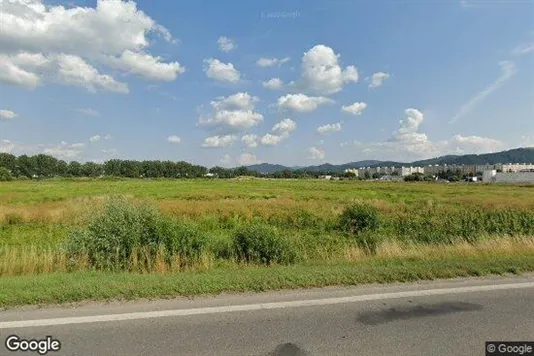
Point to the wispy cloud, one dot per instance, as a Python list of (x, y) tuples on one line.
[(508, 70)]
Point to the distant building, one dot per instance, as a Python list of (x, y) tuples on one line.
[(492, 176)]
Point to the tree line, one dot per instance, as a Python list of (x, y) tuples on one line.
[(45, 166)]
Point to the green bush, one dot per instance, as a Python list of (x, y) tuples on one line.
[(120, 230), (5, 175), (362, 222), (359, 218), (183, 238), (260, 243)]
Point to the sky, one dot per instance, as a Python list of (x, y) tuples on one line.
[(296, 83)]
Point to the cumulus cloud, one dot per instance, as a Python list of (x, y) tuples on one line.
[(408, 143), (235, 112), (271, 140), (250, 140), (247, 159), (226, 44), (285, 127), (301, 103), (42, 43), (219, 141), (271, 62), (354, 109), (316, 153), (474, 144), (223, 72), (147, 66), (329, 128), (377, 79), (238, 101), (322, 73), (31, 70), (65, 150), (174, 139), (95, 138), (7, 115), (273, 83), (226, 160)]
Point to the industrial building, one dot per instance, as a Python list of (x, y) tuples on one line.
[(492, 176)]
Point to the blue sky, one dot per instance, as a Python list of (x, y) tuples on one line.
[(188, 80)]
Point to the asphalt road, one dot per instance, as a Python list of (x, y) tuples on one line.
[(432, 318)]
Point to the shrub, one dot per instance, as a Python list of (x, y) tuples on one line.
[(122, 232), (115, 233), (5, 175), (260, 243), (182, 238), (359, 218), (362, 222)]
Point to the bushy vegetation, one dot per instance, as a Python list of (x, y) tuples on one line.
[(5, 175), (176, 225), (263, 244), (122, 234), (362, 222)]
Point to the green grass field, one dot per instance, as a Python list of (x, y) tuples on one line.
[(202, 230)]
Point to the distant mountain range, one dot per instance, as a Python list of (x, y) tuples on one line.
[(518, 155)]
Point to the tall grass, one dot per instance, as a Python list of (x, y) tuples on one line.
[(170, 226)]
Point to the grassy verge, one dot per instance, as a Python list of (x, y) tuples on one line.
[(81, 286)]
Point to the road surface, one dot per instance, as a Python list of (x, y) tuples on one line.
[(453, 317)]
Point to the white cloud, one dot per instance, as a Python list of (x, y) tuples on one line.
[(107, 137), (354, 109), (271, 62), (88, 112), (235, 119), (285, 127), (474, 144), (508, 70), (226, 160), (523, 49), (224, 72), (7, 115), (250, 140), (226, 44), (271, 140), (65, 150), (238, 101), (322, 73), (329, 128), (11, 73), (235, 112), (407, 143), (110, 151), (58, 42), (31, 70), (247, 159), (73, 70), (219, 141), (6, 146), (147, 66), (95, 138), (316, 153), (273, 83), (301, 103), (174, 139), (377, 79)]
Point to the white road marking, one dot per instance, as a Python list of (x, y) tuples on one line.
[(260, 306)]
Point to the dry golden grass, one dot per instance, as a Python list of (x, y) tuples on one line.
[(33, 260)]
